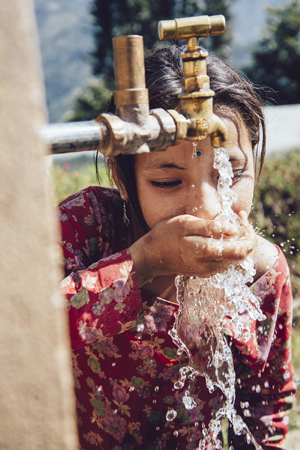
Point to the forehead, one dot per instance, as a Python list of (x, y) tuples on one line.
[(180, 155)]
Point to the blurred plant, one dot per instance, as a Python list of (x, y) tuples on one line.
[(275, 58), (122, 17), (68, 181), (277, 208), (90, 102)]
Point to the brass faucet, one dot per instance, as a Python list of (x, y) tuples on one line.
[(196, 99), (135, 129)]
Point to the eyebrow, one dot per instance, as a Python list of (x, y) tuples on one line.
[(162, 165)]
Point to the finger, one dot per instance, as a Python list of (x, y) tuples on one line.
[(208, 228), (216, 250), (243, 216)]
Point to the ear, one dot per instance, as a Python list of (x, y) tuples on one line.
[(123, 192)]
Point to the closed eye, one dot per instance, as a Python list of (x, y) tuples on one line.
[(238, 174), (166, 184)]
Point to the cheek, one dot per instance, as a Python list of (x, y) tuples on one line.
[(157, 206), (152, 207)]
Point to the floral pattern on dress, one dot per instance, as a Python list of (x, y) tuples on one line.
[(125, 362)]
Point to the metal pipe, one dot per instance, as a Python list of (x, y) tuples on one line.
[(75, 136)]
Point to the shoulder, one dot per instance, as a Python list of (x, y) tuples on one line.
[(90, 195), (92, 221), (93, 201)]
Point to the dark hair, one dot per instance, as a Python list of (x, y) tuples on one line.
[(164, 71)]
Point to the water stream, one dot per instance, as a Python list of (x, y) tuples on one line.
[(205, 305)]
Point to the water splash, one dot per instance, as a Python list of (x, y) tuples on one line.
[(195, 151), (205, 306)]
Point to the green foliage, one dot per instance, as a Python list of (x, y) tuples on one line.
[(123, 17), (91, 101), (277, 208), (276, 56)]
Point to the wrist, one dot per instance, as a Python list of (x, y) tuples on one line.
[(143, 261)]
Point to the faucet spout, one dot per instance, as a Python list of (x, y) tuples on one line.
[(196, 99)]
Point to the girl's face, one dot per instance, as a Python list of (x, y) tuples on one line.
[(172, 183)]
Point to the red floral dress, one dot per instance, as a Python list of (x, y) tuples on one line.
[(124, 361)]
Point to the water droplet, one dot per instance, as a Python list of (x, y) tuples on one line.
[(258, 389), (157, 428), (175, 433), (178, 384), (154, 401), (171, 415), (267, 384), (156, 389), (188, 401), (140, 327)]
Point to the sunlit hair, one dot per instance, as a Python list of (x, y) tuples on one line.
[(164, 71)]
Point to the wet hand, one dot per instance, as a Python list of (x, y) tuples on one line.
[(189, 246)]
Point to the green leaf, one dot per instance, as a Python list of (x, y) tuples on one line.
[(94, 364), (98, 406), (80, 299)]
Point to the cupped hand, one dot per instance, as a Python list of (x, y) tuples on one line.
[(187, 245)]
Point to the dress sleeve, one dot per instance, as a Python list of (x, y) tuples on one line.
[(265, 384), (101, 288)]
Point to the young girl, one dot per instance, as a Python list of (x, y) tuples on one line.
[(122, 251)]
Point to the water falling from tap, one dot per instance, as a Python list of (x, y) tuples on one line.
[(204, 306)]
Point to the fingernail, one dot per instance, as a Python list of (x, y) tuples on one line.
[(243, 215)]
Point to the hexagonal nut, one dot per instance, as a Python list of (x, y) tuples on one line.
[(118, 134), (181, 124), (168, 127)]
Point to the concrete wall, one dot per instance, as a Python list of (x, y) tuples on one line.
[(36, 391)]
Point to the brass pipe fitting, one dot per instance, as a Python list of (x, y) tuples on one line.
[(196, 99), (188, 27), (131, 95), (134, 129)]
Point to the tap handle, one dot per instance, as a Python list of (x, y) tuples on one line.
[(187, 27)]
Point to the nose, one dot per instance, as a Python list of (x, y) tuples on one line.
[(204, 201)]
